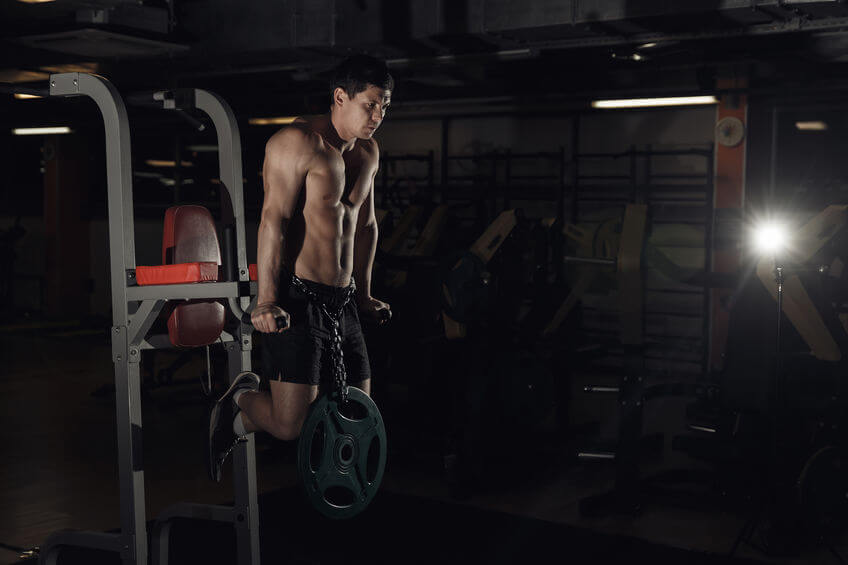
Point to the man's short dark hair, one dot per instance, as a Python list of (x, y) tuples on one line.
[(354, 74)]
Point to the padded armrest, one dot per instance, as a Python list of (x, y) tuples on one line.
[(181, 273)]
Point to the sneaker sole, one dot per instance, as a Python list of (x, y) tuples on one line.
[(236, 381)]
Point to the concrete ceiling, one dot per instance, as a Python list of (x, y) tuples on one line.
[(263, 54)]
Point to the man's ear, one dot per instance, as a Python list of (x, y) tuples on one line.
[(340, 96)]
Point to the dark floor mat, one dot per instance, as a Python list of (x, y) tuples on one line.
[(405, 529)]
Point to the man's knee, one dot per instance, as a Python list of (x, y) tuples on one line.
[(286, 429)]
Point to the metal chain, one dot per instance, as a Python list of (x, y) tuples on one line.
[(339, 372)]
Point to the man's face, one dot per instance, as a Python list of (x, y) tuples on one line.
[(364, 113)]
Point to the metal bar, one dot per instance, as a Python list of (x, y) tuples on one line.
[(50, 549), (596, 388), (140, 322), (229, 161), (246, 505), (586, 177), (162, 529), (669, 152), (130, 460), (431, 163), (163, 341), (605, 455), (122, 259), (508, 176), (187, 291), (709, 245), (540, 155), (575, 173), (118, 175), (534, 177), (591, 261), (444, 156), (409, 157)]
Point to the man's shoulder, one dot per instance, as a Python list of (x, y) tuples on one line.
[(294, 138)]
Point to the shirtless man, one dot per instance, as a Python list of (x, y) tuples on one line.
[(317, 230)]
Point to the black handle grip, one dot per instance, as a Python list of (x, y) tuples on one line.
[(282, 323)]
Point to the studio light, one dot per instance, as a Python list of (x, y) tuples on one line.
[(811, 126), (41, 131), (272, 121), (655, 102), (166, 163), (770, 237)]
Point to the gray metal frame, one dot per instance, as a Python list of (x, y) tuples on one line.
[(134, 311)]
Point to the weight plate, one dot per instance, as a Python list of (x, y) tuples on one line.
[(341, 454)]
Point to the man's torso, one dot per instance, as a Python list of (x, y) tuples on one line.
[(320, 236)]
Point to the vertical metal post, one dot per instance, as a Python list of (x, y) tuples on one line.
[(230, 167), (178, 171), (575, 171), (246, 505), (644, 196), (445, 152), (630, 425), (508, 175), (122, 258), (709, 264), (431, 181), (634, 181)]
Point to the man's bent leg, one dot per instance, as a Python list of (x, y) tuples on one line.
[(364, 386), (281, 413)]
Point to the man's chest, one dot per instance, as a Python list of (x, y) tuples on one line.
[(337, 180)]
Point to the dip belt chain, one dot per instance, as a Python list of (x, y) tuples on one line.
[(334, 317)]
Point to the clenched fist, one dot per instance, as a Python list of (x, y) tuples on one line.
[(269, 318)]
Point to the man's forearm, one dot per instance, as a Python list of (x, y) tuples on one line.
[(364, 248), (269, 260)]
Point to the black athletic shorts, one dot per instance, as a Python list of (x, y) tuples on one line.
[(302, 353)]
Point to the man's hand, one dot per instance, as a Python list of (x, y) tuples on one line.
[(269, 318), (377, 310)]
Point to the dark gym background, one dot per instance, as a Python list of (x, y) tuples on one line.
[(491, 112)]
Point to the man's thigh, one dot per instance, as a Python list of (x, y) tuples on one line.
[(364, 386), (290, 401)]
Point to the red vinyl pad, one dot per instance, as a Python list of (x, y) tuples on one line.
[(196, 323), (190, 237), (177, 274), (253, 271)]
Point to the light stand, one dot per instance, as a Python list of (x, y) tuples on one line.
[(776, 392)]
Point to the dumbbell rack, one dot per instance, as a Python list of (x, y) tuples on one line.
[(675, 198), (135, 308), (676, 314)]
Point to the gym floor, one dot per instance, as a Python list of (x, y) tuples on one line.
[(57, 443)]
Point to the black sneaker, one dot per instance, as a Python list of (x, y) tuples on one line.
[(222, 439)]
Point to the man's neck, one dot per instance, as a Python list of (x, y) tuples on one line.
[(336, 138)]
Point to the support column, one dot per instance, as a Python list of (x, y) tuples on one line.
[(728, 202)]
